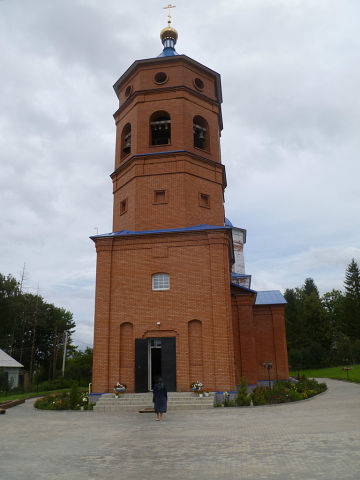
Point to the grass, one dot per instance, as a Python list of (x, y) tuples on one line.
[(331, 372), (16, 396)]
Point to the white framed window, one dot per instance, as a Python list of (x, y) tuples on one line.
[(161, 281)]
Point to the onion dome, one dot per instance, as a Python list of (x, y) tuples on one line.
[(168, 37), (168, 33)]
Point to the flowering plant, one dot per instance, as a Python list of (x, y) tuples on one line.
[(197, 387), (120, 388)]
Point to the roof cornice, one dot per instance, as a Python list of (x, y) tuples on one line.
[(158, 60), (167, 153)]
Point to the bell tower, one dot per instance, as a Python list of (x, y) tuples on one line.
[(168, 171), (163, 304)]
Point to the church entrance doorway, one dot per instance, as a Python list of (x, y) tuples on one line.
[(155, 357)]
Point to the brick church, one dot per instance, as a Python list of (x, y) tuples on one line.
[(172, 296)]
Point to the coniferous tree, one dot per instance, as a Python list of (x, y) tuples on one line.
[(310, 287), (352, 300)]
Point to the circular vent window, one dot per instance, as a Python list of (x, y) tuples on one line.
[(128, 90), (199, 84), (160, 77)]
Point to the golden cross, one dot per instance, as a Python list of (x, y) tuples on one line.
[(169, 14)]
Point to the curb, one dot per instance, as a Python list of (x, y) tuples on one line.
[(11, 403)]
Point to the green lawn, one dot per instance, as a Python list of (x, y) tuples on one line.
[(16, 396), (331, 372)]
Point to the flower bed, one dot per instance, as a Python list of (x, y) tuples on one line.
[(70, 400), (281, 392)]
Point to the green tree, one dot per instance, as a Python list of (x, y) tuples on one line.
[(340, 344), (309, 287), (9, 310), (79, 366), (307, 327), (32, 330), (316, 321), (295, 332), (352, 300)]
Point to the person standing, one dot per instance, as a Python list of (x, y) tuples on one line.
[(159, 398)]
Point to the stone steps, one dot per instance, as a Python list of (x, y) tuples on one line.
[(143, 401)]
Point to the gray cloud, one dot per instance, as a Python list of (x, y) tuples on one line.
[(290, 76)]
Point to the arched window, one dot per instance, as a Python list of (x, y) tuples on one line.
[(161, 281), (160, 128), (201, 133), (126, 140)]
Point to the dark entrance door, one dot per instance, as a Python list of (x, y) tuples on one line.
[(141, 365), (158, 361)]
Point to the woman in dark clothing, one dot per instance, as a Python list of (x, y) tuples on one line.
[(159, 398)]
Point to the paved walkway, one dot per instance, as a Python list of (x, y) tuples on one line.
[(314, 439)]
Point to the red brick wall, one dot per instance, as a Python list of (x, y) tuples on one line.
[(244, 337), (195, 349), (198, 264), (259, 335), (183, 178), (271, 341)]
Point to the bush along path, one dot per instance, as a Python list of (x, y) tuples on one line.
[(69, 400), (281, 392)]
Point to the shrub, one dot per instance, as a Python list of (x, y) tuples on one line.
[(279, 392), (294, 396), (242, 399), (260, 395), (74, 398)]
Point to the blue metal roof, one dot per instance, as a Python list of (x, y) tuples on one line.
[(228, 223), (168, 230), (242, 288), (239, 275), (168, 52), (271, 297)]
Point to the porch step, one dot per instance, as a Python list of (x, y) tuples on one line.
[(143, 401)]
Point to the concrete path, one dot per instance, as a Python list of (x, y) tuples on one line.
[(314, 439)]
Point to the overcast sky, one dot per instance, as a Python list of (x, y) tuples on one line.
[(290, 75)]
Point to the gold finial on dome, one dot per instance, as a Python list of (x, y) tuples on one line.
[(169, 32)]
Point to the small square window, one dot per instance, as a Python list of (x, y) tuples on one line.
[(161, 281), (160, 196), (204, 200), (123, 206)]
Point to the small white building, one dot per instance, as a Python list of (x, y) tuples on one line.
[(10, 366)]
